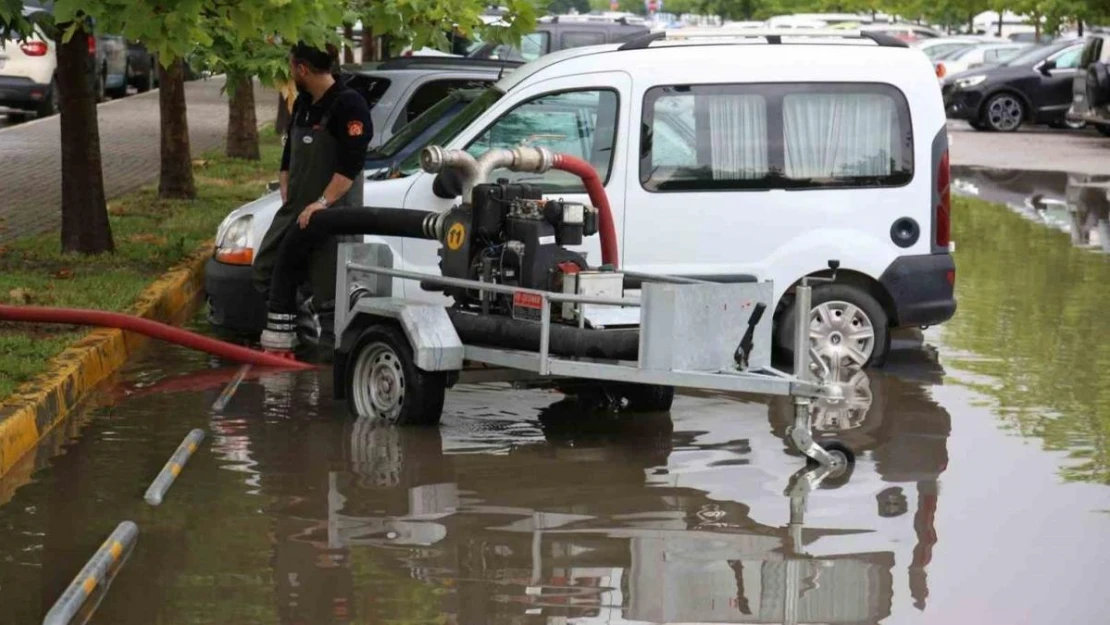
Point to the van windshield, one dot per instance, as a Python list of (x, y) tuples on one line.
[(480, 105), (410, 131)]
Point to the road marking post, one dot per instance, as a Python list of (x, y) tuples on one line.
[(173, 467), (98, 572)]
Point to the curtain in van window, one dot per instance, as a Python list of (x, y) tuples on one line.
[(838, 135), (738, 140)]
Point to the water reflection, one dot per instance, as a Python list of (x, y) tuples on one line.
[(1027, 334), (1076, 204)]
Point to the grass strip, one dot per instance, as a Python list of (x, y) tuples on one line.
[(151, 236)]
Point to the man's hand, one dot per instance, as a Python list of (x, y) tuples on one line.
[(306, 214)]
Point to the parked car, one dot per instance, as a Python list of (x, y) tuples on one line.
[(27, 74), (1091, 85), (979, 55), (701, 184), (399, 90), (1034, 87), (903, 32), (558, 35), (940, 46)]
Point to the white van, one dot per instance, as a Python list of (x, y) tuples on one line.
[(729, 158)]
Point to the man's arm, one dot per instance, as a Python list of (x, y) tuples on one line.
[(283, 176)]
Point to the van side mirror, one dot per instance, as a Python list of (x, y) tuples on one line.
[(1047, 67), (447, 184)]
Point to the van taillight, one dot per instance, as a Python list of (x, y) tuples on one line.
[(34, 48), (941, 70), (943, 216), (92, 45)]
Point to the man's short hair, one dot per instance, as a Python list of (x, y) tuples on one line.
[(318, 60)]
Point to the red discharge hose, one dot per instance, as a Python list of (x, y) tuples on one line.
[(153, 329), (606, 229)]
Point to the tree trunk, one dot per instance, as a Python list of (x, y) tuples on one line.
[(368, 51), (85, 226), (242, 123), (176, 180), (1079, 26), (348, 49)]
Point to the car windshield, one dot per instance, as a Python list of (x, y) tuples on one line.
[(413, 129), (411, 165)]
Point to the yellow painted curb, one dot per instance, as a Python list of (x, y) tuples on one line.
[(29, 414)]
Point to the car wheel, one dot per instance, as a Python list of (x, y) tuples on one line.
[(49, 104), (121, 91), (1103, 129), (848, 326), (1067, 124), (102, 86), (143, 82), (980, 126), (1004, 112)]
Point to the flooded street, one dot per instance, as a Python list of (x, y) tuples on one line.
[(980, 493)]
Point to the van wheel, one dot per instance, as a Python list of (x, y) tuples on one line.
[(1103, 129), (847, 325), (1004, 112), (49, 104), (384, 384)]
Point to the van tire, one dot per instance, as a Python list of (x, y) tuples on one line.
[(978, 125), (838, 296), (1103, 129)]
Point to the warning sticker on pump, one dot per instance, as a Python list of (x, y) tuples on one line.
[(455, 237), (527, 306)]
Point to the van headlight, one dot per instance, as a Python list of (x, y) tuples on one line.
[(233, 247), (970, 81)]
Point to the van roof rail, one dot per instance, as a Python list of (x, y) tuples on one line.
[(434, 62), (773, 36)]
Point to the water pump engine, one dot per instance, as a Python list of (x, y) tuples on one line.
[(510, 235)]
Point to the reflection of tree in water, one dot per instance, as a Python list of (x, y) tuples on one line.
[(1029, 309)]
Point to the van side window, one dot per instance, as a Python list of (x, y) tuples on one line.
[(578, 123), (532, 46), (578, 39), (775, 136)]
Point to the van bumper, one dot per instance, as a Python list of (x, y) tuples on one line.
[(233, 302), (922, 288)]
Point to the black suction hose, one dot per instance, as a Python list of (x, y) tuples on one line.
[(506, 332), (292, 263)]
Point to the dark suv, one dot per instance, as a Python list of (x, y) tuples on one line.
[(1090, 89), (555, 35)]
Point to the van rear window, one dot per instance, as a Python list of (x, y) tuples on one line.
[(775, 136)]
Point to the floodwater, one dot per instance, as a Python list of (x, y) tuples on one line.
[(980, 493)]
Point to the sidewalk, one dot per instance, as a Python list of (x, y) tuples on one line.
[(30, 158)]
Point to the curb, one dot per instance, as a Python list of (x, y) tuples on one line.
[(34, 409)]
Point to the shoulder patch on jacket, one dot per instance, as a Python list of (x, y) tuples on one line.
[(354, 128)]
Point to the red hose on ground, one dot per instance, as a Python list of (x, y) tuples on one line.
[(606, 229), (153, 329)]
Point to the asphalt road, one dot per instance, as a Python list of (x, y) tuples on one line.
[(1031, 148)]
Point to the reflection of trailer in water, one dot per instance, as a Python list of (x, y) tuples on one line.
[(692, 560)]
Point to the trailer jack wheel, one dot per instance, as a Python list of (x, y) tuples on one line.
[(385, 385), (843, 460)]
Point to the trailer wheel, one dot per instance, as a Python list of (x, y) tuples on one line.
[(385, 384)]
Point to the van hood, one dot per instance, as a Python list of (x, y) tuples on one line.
[(385, 193)]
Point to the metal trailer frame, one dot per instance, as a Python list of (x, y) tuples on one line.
[(367, 277)]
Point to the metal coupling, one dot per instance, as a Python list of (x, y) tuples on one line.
[(532, 159)]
